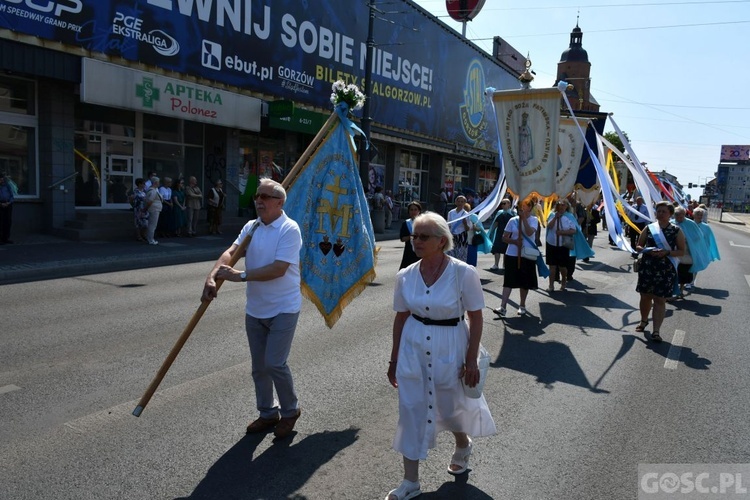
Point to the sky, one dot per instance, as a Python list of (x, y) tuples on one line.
[(675, 74)]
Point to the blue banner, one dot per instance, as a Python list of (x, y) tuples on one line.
[(426, 78), (327, 200)]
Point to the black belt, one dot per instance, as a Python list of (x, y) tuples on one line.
[(437, 322)]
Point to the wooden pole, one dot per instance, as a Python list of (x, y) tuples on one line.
[(241, 249)]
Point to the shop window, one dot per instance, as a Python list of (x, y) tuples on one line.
[(17, 96), (487, 179), (166, 129), (172, 160), (18, 134), (456, 177), (412, 177), (88, 154), (17, 157), (102, 120)]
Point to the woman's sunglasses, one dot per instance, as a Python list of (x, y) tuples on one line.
[(421, 237)]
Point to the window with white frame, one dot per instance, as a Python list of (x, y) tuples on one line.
[(412, 176)]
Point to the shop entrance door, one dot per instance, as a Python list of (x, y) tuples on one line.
[(117, 181)]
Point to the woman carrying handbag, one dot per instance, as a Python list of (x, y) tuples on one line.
[(520, 271)]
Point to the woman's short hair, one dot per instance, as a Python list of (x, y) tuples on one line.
[(439, 225), (680, 211), (416, 204), (699, 210), (665, 203)]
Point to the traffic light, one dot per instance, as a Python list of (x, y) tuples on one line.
[(690, 185)]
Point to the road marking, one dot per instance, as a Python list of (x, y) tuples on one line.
[(673, 356), (733, 244), (9, 388)]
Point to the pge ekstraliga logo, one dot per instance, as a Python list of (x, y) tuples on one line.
[(211, 55)]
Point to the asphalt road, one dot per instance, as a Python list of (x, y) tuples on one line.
[(579, 398)]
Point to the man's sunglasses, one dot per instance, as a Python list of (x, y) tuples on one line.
[(264, 196)]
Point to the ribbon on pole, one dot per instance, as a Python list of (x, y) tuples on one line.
[(613, 223)]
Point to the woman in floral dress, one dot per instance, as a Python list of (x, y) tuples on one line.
[(140, 214), (663, 242)]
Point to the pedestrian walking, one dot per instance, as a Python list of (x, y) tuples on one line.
[(273, 304), (661, 243), (520, 272), (434, 354)]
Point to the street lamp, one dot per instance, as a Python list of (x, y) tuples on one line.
[(364, 155)]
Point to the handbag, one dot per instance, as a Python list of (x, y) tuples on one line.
[(566, 240), (637, 264), (477, 239), (483, 356), (530, 253), (483, 362)]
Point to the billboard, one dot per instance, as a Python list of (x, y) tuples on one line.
[(735, 153), (426, 78)]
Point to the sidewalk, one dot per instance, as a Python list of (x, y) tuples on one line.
[(41, 257)]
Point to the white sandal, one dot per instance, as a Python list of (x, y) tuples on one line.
[(461, 458), (405, 491)]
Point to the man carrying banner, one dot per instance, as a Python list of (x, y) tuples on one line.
[(273, 304)]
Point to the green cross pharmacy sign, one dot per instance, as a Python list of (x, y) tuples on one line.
[(147, 93)]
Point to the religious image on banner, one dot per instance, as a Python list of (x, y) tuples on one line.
[(328, 201), (528, 121), (570, 148)]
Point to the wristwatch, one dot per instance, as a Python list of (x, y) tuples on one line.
[(243, 276)]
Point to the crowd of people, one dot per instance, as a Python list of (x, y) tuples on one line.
[(436, 355), (167, 208)]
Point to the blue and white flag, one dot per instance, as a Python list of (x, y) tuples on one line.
[(327, 200)]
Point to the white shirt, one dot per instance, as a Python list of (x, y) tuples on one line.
[(280, 240), (512, 228), (456, 227), (566, 224), (166, 193)]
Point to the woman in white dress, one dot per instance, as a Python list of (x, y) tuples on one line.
[(434, 353)]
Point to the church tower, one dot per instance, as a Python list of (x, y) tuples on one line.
[(574, 67)]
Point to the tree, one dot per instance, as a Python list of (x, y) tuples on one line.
[(615, 140)]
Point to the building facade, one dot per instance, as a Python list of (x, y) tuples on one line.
[(95, 94)]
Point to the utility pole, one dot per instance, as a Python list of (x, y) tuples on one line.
[(364, 155)]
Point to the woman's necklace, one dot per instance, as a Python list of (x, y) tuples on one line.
[(432, 279)]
